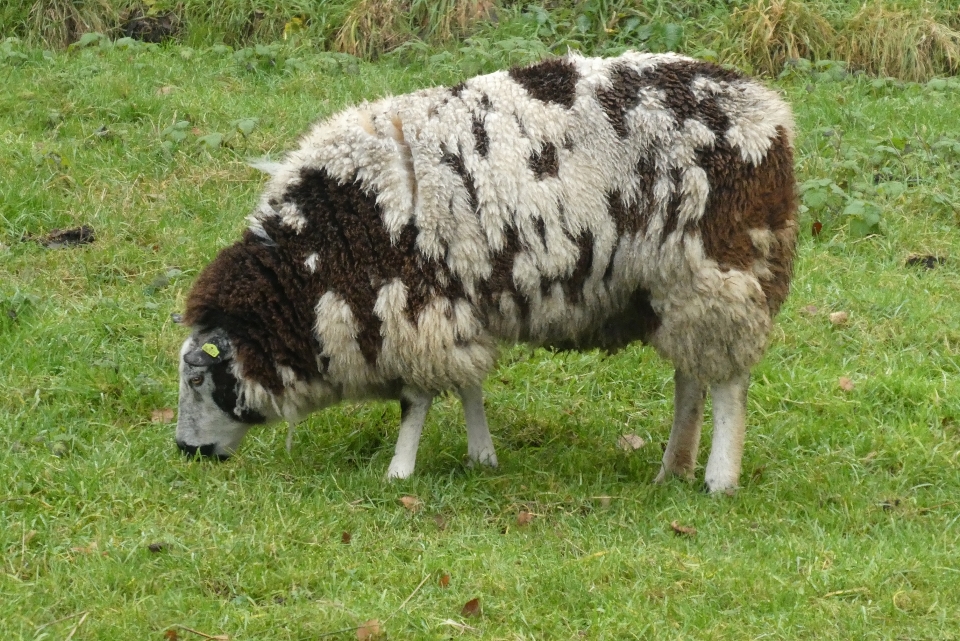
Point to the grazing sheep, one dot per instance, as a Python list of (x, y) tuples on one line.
[(577, 203)]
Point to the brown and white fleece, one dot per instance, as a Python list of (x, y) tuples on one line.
[(578, 202)]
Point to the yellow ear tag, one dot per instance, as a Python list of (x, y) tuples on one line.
[(211, 349)]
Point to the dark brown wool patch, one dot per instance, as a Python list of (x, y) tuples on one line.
[(743, 197), (629, 219), (501, 274), (622, 96), (674, 81), (673, 206), (544, 162), (264, 304), (481, 140), (264, 296), (456, 89), (455, 162), (573, 286), (553, 80), (635, 322), (541, 230)]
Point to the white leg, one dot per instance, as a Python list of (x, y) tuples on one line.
[(729, 429), (414, 405), (680, 457), (291, 428), (479, 442)]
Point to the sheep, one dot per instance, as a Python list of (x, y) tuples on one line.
[(576, 203)]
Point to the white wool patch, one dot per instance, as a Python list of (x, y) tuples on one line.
[(311, 262), (755, 113), (447, 342), (337, 331), (291, 217)]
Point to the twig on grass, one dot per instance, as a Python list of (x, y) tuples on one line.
[(402, 605), (844, 592), (60, 620), (215, 637), (79, 623), (407, 600)]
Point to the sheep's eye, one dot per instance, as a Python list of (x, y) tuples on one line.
[(196, 381)]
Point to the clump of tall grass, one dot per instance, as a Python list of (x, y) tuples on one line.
[(879, 37), (374, 26), (60, 22), (910, 45), (765, 34)]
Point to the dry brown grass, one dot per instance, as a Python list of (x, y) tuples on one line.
[(375, 26), (60, 22), (909, 45), (881, 38), (441, 20), (770, 32)]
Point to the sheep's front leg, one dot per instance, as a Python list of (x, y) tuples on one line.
[(729, 430), (680, 457), (414, 405), (479, 442)]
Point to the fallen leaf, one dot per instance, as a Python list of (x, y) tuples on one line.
[(164, 415), (927, 261), (845, 384), (471, 608), (213, 637), (524, 518), (87, 549), (195, 131), (839, 318), (890, 504), (345, 538), (816, 228), (165, 91), (440, 521), (444, 580), (369, 630), (682, 530), (810, 310), (605, 501), (156, 547), (171, 635), (60, 238), (630, 442), (412, 503)]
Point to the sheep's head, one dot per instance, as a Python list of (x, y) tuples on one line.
[(212, 419)]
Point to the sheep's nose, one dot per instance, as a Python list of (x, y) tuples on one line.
[(206, 451)]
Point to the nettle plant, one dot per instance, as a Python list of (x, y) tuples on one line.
[(181, 132), (858, 180)]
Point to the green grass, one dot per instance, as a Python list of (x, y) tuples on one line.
[(847, 524), (908, 39)]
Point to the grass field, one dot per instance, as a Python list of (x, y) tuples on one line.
[(846, 526)]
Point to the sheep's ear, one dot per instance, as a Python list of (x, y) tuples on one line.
[(212, 350)]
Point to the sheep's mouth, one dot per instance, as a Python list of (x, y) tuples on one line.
[(207, 451)]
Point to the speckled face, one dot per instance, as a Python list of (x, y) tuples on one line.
[(211, 422)]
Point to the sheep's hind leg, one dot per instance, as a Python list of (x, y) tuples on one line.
[(729, 430), (479, 443), (680, 457), (414, 405)]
